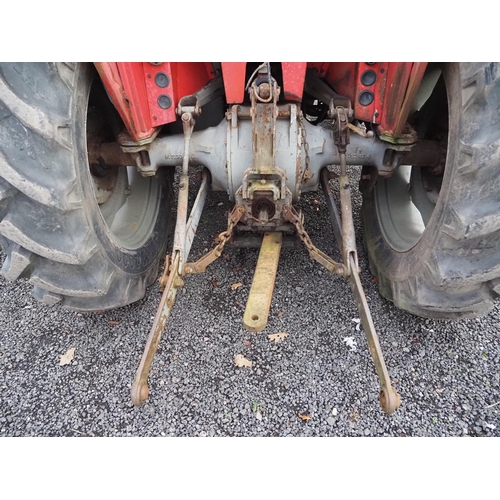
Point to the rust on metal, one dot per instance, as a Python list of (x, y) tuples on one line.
[(348, 235), (307, 175), (416, 75), (389, 398), (345, 235), (425, 154), (400, 74), (261, 291), (264, 90), (201, 264), (111, 154), (164, 278), (315, 253), (140, 390)]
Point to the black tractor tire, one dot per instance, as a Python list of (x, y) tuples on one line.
[(451, 269), (79, 252)]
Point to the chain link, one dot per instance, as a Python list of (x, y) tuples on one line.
[(315, 253), (201, 264)]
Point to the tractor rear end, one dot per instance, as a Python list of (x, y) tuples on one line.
[(422, 134)]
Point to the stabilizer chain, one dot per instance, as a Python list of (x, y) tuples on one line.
[(201, 264), (315, 253)]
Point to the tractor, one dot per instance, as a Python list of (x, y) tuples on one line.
[(96, 157)]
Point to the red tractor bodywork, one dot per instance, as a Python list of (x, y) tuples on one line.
[(147, 94)]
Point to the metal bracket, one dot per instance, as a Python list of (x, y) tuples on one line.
[(340, 117)]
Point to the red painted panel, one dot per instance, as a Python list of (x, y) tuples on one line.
[(233, 74), (134, 92), (132, 77), (294, 75), (126, 88), (371, 112), (152, 73), (342, 77), (321, 67), (188, 78), (398, 75), (388, 89)]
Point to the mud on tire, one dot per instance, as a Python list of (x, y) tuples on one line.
[(86, 240), (446, 265)]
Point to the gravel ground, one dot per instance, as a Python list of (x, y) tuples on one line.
[(446, 372)]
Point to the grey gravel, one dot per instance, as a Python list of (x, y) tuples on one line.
[(446, 372)]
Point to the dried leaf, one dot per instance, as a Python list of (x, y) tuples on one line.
[(100, 313), (239, 268), (214, 283), (439, 391), (278, 337), (234, 286), (304, 417), (247, 343), (354, 415), (241, 361), (374, 280), (68, 357), (239, 304), (280, 314), (176, 357), (111, 322), (227, 257)]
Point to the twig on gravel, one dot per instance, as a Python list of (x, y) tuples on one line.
[(491, 406)]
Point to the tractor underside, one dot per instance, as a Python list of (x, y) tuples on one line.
[(265, 133)]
